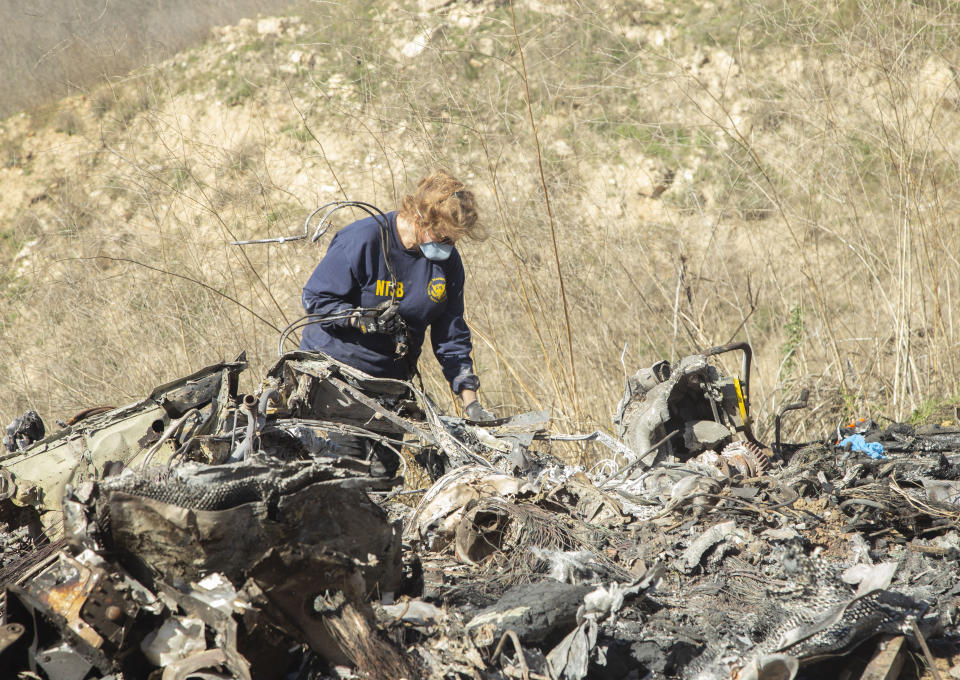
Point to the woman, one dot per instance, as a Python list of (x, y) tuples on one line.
[(412, 273)]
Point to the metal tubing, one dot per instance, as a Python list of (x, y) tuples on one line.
[(284, 239), (745, 379), (172, 429), (745, 366), (322, 225), (246, 446), (802, 403), (265, 398)]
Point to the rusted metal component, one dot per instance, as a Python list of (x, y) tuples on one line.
[(87, 412), (92, 604), (62, 590), (59, 611), (746, 457), (110, 610)]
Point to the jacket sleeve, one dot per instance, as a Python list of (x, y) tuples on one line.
[(333, 287), (451, 339)]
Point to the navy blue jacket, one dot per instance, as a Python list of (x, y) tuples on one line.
[(353, 273)]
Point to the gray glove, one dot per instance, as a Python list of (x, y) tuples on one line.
[(477, 413)]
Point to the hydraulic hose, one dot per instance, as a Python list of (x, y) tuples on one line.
[(248, 406)]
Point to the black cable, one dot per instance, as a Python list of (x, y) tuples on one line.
[(382, 222), (384, 228), (308, 319)]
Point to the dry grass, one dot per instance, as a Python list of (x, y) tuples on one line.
[(783, 173), (60, 47)]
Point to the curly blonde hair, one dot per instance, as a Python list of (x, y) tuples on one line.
[(445, 208)]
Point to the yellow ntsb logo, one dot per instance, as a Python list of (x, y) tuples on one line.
[(386, 288), (437, 289)]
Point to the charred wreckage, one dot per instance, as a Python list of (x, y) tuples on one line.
[(203, 533)]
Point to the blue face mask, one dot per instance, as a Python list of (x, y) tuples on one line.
[(436, 251)]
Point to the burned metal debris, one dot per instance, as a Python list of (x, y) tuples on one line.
[(207, 533)]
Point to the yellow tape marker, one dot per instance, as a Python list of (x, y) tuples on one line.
[(740, 402)]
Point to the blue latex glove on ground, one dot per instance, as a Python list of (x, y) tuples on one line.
[(858, 443)]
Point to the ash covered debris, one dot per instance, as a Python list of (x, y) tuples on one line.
[(211, 534)]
